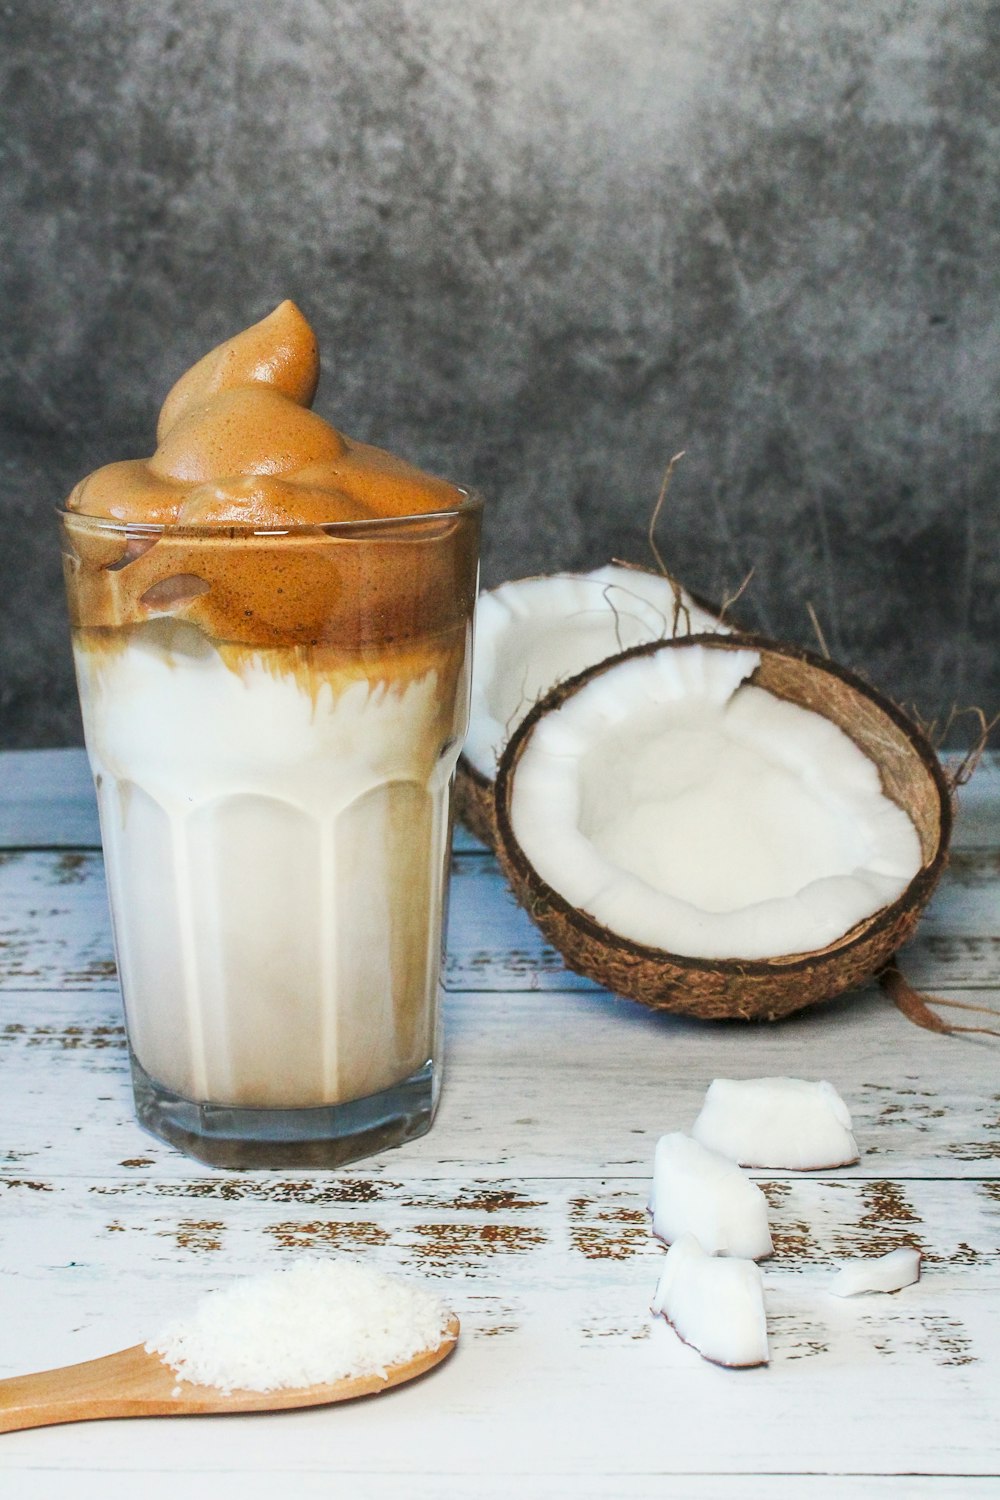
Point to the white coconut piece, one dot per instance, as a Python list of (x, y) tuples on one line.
[(879, 1273), (716, 1305), (697, 1191), (688, 811), (777, 1122), (533, 633)]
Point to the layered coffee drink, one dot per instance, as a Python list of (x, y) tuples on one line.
[(272, 630)]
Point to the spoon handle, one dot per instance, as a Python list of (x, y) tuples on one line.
[(125, 1384), (133, 1383)]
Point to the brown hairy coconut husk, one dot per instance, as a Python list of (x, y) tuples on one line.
[(474, 803), (759, 989), (474, 792)]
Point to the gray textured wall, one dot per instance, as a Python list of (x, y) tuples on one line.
[(545, 244)]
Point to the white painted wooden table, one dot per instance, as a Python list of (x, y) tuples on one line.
[(525, 1204)]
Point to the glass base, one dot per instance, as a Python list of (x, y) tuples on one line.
[(225, 1135)]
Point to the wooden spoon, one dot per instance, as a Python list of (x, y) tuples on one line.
[(133, 1383)]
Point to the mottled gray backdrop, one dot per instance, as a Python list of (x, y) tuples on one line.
[(545, 244)]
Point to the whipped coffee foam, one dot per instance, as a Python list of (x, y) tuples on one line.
[(239, 452)]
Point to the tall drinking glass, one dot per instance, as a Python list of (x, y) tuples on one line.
[(273, 720)]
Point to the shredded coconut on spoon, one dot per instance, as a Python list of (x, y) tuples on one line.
[(312, 1324)]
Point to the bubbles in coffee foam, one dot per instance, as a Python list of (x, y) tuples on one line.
[(240, 450)]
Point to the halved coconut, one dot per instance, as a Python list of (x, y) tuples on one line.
[(722, 825), (534, 633)]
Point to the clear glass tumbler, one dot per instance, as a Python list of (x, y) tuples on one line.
[(273, 720)]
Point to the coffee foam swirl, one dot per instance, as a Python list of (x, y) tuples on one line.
[(241, 452)]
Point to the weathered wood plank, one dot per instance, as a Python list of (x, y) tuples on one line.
[(91, 1484), (504, 1237), (544, 1084), (47, 798), (55, 931), (978, 823), (552, 1281), (549, 1338)]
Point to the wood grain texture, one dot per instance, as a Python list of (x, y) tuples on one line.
[(525, 1206)]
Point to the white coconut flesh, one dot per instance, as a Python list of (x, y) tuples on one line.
[(715, 1305), (697, 1191), (879, 1273), (534, 633), (686, 810), (790, 1123)]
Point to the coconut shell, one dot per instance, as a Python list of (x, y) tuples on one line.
[(474, 802), (752, 989)]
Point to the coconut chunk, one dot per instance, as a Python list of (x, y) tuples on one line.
[(684, 809), (533, 633), (697, 1191), (879, 1273), (715, 1305), (777, 1122)]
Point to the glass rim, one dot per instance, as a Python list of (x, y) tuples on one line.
[(471, 501)]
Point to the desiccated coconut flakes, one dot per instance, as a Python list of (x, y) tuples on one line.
[(314, 1323)]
